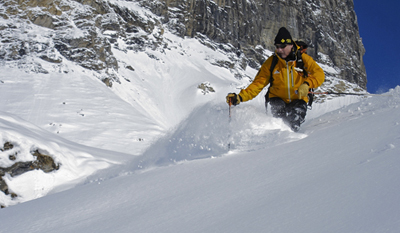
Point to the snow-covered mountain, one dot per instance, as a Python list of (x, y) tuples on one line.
[(144, 147), (62, 80)]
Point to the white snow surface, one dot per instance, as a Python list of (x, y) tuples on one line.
[(150, 154)]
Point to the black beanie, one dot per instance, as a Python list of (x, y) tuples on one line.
[(283, 37)]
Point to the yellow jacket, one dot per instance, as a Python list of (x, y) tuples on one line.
[(286, 80)]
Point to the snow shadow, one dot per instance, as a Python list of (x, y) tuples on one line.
[(210, 132)]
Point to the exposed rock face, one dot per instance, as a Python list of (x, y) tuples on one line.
[(81, 31), (328, 26), (85, 31)]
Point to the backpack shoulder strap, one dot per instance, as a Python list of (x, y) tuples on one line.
[(271, 79), (300, 62), (271, 69)]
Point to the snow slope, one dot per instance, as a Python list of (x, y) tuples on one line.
[(339, 174)]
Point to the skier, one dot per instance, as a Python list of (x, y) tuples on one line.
[(289, 86)]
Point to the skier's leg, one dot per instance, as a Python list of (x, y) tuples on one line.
[(296, 114), (278, 107)]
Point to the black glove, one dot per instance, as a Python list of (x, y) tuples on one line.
[(233, 99)]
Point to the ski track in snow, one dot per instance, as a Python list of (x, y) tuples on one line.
[(207, 132)]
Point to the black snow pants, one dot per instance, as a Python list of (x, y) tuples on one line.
[(293, 114)]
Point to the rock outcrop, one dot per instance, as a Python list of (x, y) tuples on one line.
[(42, 161)]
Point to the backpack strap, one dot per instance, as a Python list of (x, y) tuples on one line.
[(271, 79), (271, 69), (300, 62)]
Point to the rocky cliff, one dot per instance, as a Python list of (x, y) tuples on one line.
[(85, 31), (328, 26)]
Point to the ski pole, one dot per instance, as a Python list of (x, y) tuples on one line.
[(229, 136), (337, 93), (230, 105)]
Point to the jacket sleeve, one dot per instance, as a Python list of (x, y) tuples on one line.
[(316, 74), (260, 81)]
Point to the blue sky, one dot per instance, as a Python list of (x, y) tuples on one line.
[(380, 32)]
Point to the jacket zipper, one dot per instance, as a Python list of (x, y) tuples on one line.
[(292, 77), (288, 80)]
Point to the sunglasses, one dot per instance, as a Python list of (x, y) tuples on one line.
[(281, 46)]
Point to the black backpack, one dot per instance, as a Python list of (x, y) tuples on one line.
[(299, 64)]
